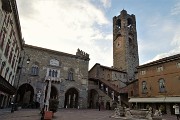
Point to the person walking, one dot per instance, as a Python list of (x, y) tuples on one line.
[(99, 105), (176, 107)]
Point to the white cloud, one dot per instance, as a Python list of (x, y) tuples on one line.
[(176, 9), (163, 55), (106, 3), (160, 38), (176, 39), (65, 25), (174, 43)]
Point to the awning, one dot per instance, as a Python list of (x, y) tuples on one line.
[(147, 100), (6, 87), (172, 99)]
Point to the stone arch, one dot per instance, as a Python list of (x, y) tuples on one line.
[(108, 105), (102, 104), (71, 98), (114, 105), (54, 92), (25, 95), (93, 98)]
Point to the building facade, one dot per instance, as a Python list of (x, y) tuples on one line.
[(159, 84), (108, 83), (68, 75), (10, 48), (113, 81)]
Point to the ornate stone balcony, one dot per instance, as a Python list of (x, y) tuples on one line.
[(53, 79)]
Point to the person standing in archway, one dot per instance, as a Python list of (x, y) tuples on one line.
[(99, 105), (176, 107)]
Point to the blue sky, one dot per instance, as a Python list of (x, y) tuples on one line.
[(66, 25)]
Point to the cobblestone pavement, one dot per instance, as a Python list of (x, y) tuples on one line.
[(65, 114)]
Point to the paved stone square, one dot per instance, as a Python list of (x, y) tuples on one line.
[(64, 114)]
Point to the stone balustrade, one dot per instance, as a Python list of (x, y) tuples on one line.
[(53, 79)]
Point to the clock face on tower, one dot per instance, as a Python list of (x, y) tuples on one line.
[(118, 44)]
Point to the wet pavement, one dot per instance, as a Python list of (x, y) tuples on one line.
[(64, 114)]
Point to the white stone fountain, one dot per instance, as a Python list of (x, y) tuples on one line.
[(136, 114)]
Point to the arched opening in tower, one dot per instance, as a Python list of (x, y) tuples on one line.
[(118, 23), (129, 22)]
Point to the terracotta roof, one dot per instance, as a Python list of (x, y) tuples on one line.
[(112, 68), (106, 67), (160, 61)]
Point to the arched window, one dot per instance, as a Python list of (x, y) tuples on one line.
[(34, 70), (53, 73), (56, 73), (50, 73), (70, 74), (162, 85), (144, 87)]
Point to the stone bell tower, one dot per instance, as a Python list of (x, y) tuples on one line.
[(125, 46)]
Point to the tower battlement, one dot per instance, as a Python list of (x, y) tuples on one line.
[(82, 54)]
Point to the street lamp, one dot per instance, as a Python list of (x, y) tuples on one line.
[(28, 60), (112, 94)]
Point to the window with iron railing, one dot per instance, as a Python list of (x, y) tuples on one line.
[(160, 68), (178, 65), (144, 87), (162, 87)]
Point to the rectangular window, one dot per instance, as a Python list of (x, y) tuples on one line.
[(7, 49), (7, 21), (178, 65), (132, 93), (143, 72), (13, 62), (144, 87), (70, 76), (1, 34), (162, 85), (1, 16), (2, 38), (10, 57), (15, 66), (35, 70), (160, 68)]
